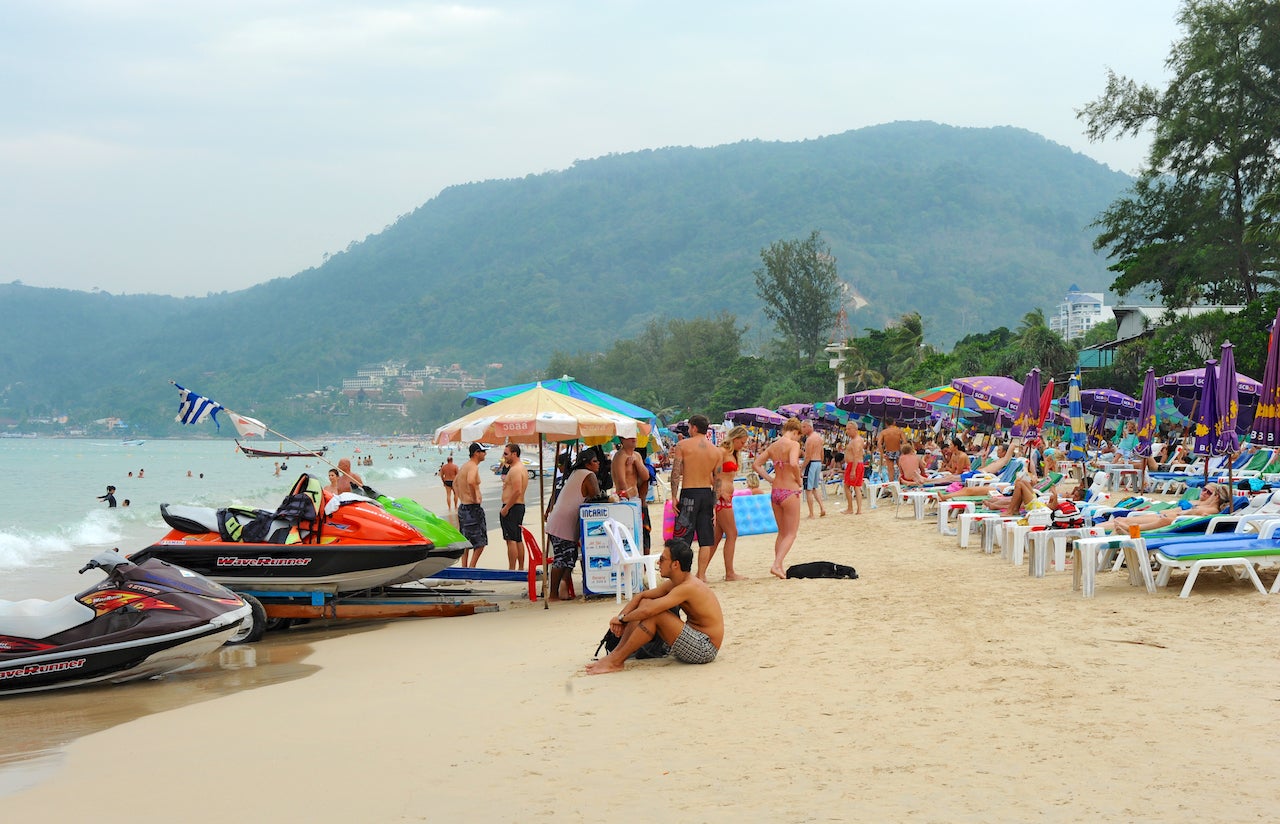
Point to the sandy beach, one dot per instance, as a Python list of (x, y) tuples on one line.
[(944, 685)]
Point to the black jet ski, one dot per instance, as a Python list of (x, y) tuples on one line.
[(144, 620)]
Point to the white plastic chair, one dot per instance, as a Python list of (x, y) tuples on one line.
[(626, 557)]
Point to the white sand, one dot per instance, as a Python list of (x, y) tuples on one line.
[(945, 685)]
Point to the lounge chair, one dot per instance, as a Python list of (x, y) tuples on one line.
[(1196, 556)]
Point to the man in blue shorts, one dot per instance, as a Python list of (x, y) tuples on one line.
[(811, 477)]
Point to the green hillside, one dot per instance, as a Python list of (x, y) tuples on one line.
[(969, 227)]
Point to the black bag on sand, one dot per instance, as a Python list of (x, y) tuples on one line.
[(821, 569), (656, 648)]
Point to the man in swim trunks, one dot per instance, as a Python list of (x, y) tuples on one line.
[(855, 452), (649, 615), (448, 472), (471, 519), (889, 445), (812, 476), (695, 465)]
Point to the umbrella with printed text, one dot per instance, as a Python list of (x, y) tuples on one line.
[(1228, 402), (1185, 389), (755, 416), (1026, 418), (1146, 422), (1109, 403), (1266, 420), (995, 390), (885, 403)]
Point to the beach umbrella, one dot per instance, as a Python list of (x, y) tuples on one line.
[(1026, 420), (755, 416), (1185, 389), (803, 411), (1146, 422), (885, 403), (957, 402), (1206, 414), (538, 416), (1228, 400), (1079, 438), (567, 385), (1266, 420), (1166, 410), (1046, 401), (997, 391), (1109, 403)]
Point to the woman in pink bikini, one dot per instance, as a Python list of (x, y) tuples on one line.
[(785, 496), (725, 525)]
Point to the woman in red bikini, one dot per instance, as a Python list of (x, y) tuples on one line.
[(725, 525), (785, 495)]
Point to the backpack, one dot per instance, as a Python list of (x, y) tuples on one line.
[(1067, 516)]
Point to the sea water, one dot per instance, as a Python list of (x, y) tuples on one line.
[(51, 521)]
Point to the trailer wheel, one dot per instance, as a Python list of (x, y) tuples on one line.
[(252, 628), (274, 624)]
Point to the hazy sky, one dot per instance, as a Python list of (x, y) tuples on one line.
[(191, 147)]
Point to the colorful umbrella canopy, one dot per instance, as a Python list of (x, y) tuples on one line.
[(1206, 415), (539, 415), (1266, 420), (886, 403), (1167, 410), (953, 399), (1026, 420), (1079, 438), (1002, 392), (1109, 403), (1185, 389), (566, 385), (755, 416), (796, 410), (1147, 415)]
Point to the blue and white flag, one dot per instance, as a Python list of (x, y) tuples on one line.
[(194, 408)]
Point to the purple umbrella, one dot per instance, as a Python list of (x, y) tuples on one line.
[(1147, 415), (1206, 415), (755, 416), (796, 410), (1002, 392), (1266, 422), (1185, 388), (887, 403), (1026, 421), (1109, 403), (1228, 404)]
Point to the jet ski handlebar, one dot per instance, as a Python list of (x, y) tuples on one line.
[(107, 560)]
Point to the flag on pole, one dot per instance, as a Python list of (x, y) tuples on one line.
[(248, 427), (193, 408)]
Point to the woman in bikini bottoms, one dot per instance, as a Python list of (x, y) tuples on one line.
[(725, 525), (785, 496)]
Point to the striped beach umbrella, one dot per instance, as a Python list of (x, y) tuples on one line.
[(1266, 422), (1079, 438)]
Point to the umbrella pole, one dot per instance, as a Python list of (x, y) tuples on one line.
[(542, 497)]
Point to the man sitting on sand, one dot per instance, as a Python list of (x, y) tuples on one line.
[(649, 614)]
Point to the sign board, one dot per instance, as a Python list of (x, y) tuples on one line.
[(598, 573)]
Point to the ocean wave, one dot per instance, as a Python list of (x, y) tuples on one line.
[(390, 473), (100, 528)]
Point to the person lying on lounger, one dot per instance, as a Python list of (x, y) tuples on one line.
[(1214, 499)]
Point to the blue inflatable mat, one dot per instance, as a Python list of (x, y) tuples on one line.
[(753, 515)]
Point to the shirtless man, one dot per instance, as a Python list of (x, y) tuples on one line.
[(346, 477), (812, 470), (889, 446), (855, 451), (648, 615), (511, 516), (695, 464), (448, 472), (471, 520), (631, 481)]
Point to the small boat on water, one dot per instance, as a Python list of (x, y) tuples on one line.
[(132, 442), (254, 452), (315, 542)]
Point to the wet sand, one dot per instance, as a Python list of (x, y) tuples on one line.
[(944, 685)]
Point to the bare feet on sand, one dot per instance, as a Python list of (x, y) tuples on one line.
[(735, 577), (778, 573), (604, 665)]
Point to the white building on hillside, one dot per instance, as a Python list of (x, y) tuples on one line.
[(1079, 312)]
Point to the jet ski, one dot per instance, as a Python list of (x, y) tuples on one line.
[(314, 542), (144, 620), (439, 531)]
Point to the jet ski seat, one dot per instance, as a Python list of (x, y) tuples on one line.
[(193, 520), (35, 618)]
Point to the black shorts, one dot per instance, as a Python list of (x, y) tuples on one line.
[(697, 516), (511, 523), (472, 525)]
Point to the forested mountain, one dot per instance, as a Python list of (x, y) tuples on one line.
[(969, 227)]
